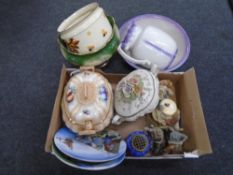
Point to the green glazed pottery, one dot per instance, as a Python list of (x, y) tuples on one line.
[(99, 58)]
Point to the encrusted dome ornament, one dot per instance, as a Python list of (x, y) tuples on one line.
[(136, 95), (87, 103)]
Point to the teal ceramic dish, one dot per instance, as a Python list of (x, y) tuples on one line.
[(99, 58), (86, 165)]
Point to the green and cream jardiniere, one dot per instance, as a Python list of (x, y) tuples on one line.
[(98, 58)]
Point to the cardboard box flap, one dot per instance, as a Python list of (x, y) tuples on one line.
[(192, 118), (200, 132), (55, 121)]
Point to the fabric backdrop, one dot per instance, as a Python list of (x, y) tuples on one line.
[(30, 64)]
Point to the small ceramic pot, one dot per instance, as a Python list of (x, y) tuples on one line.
[(99, 58), (139, 143), (87, 103), (136, 95), (86, 31)]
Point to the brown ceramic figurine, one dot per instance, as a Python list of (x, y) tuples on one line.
[(176, 140), (158, 138), (166, 90)]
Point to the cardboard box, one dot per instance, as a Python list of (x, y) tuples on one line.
[(188, 101)]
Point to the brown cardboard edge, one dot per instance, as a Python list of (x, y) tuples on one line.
[(193, 95), (55, 118), (202, 138)]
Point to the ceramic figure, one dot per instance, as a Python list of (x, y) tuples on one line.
[(166, 90), (167, 114), (158, 138), (176, 140)]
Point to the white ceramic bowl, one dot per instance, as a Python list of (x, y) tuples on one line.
[(86, 31), (153, 39)]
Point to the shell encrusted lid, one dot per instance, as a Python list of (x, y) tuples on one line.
[(87, 102), (135, 92)]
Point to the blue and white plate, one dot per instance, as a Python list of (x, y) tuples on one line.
[(66, 141), (86, 165)]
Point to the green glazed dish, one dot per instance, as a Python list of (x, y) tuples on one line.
[(96, 59)]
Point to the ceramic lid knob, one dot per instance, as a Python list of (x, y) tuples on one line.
[(168, 107), (89, 125)]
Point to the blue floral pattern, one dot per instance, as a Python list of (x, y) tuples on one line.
[(103, 94)]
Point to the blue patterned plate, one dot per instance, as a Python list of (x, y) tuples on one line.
[(66, 141), (86, 165)]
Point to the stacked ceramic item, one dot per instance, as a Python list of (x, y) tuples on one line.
[(88, 37), (96, 152), (87, 109)]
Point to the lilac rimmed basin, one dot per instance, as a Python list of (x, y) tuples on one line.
[(167, 25)]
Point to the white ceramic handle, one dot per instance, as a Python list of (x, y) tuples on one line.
[(144, 63), (117, 120), (73, 71), (154, 69)]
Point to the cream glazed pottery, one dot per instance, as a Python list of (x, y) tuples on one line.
[(87, 104), (136, 95), (86, 31)]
